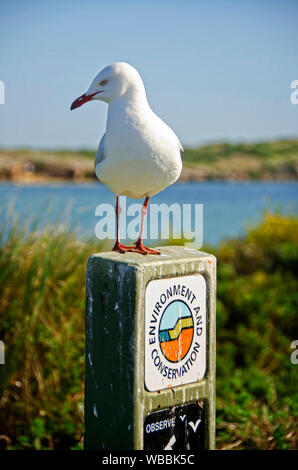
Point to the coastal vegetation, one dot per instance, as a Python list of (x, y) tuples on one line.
[(272, 161), (42, 319)]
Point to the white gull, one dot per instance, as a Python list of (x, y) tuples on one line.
[(139, 155)]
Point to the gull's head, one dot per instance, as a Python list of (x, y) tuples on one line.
[(112, 83)]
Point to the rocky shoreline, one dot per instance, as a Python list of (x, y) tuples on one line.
[(210, 163)]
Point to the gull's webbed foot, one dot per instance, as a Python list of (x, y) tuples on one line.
[(121, 248), (142, 249)]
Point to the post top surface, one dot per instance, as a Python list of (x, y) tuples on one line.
[(168, 254)]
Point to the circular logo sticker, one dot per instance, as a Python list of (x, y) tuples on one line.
[(175, 331)]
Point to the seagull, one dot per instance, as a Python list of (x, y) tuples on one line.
[(139, 155)]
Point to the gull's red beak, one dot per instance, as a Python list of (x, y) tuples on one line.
[(82, 99)]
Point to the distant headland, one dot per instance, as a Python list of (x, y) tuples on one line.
[(264, 161)]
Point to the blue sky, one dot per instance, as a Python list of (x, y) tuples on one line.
[(173, 311), (213, 70)]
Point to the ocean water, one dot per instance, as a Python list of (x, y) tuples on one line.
[(228, 207)]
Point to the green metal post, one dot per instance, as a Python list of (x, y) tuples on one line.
[(150, 350)]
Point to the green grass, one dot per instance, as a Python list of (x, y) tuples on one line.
[(42, 302), (263, 150)]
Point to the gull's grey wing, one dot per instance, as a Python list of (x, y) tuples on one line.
[(100, 155)]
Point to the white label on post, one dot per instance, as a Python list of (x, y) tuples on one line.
[(175, 331)]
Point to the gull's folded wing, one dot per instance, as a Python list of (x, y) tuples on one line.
[(100, 155)]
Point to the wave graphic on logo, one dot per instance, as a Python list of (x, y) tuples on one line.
[(176, 331)]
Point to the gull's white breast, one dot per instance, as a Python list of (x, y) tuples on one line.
[(139, 155)]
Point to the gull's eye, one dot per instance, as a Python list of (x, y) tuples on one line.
[(103, 82)]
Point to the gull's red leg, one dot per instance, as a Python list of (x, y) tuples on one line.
[(118, 246), (139, 246)]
